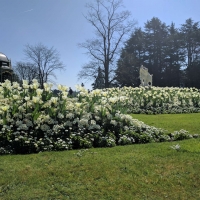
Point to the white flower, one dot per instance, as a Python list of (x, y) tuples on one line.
[(176, 147), (7, 84), (62, 88), (27, 98), (113, 122), (96, 92), (15, 97), (54, 100), (83, 122), (25, 84), (44, 127), (23, 127), (92, 122), (39, 92), (113, 100), (47, 86), (78, 105), (60, 116), (70, 115), (36, 99), (35, 84), (5, 108), (67, 123), (15, 85)]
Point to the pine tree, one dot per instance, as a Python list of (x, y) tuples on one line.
[(131, 58), (174, 58), (156, 34), (191, 37)]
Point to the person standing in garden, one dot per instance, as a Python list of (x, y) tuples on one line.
[(70, 91)]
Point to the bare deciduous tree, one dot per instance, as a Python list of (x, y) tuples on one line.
[(45, 59), (26, 71), (110, 28)]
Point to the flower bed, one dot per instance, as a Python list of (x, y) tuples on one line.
[(34, 119)]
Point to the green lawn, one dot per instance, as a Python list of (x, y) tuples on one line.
[(172, 122), (142, 171), (146, 171)]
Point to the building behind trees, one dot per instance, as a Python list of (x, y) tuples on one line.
[(6, 71)]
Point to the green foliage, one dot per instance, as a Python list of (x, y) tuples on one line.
[(170, 54), (33, 120)]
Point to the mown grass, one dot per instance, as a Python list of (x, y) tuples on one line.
[(147, 171), (144, 171), (172, 122)]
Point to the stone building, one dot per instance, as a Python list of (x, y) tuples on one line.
[(6, 71)]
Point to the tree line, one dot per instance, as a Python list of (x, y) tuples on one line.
[(171, 54)]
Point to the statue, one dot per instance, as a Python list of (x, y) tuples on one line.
[(145, 77)]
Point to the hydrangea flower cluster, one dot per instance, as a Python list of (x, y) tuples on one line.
[(34, 119)]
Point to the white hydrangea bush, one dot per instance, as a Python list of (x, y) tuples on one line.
[(34, 119)]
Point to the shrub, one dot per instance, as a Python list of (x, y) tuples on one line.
[(34, 119)]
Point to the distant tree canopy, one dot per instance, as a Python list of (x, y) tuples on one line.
[(171, 54), (42, 62), (132, 56), (26, 71)]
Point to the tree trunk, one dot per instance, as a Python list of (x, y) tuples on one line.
[(106, 75)]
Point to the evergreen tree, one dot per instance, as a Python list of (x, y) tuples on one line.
[(190, 32), (156, 34), (174, 58), (172, 55), (131, 58)]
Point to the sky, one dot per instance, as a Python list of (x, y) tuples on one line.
[(61, 24)]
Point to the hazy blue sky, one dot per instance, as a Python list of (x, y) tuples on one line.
[(60, 23)]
